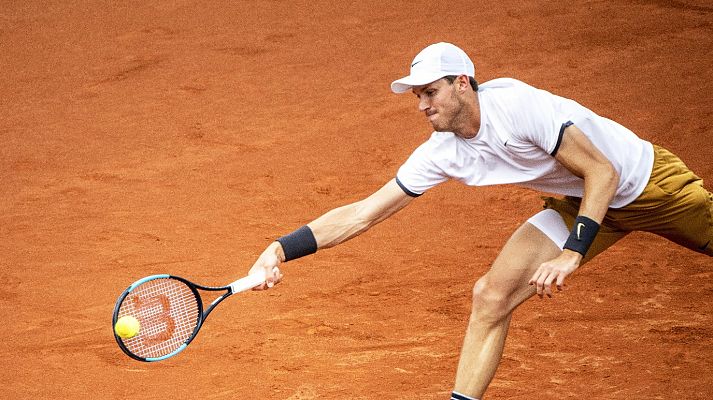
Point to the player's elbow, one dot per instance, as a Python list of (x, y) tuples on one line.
[(604, 177), (609, 174)]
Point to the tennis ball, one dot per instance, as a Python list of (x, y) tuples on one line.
[(127, 327)]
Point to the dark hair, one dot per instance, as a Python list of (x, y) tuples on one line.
[(471, 80)]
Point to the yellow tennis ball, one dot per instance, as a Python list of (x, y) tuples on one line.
[(127, 327)]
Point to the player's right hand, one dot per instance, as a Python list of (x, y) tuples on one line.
[(268, 263)]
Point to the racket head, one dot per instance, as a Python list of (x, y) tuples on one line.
[(170, 312)]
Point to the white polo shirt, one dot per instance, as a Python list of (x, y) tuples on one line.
[(521, 129)]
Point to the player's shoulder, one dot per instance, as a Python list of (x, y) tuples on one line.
[(510, 94), (504, 87), (439, 145)]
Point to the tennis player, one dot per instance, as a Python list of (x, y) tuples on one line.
[(504, 131)]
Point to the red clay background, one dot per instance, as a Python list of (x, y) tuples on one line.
[(182, 137)]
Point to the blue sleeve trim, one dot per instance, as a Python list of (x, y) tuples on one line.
[(559, 138), (405, 189)]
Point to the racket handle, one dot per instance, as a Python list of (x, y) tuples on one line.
[(247, 282)]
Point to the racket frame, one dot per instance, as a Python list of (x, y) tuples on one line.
[(239, 285)]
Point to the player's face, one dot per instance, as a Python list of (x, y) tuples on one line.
[(440, 102)]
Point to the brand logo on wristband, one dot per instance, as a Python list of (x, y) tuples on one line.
[(579, 230)]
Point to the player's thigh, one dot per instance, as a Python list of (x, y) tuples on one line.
[(507, 279), (674, 204), (536, 241), (688, 219)]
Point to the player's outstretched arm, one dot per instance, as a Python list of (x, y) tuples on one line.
[(582, 158), (346, 222), (337, 226)]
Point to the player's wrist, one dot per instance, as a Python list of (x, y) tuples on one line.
[(298, 244), (573, 255), (276, 249), (583, 233)]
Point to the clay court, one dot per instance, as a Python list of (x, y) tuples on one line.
[(182, 137)]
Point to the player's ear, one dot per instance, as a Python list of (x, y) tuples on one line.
[(463, 83)]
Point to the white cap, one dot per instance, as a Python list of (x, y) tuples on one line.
[(433, 63)]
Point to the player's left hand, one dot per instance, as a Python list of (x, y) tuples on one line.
[(554, 271)]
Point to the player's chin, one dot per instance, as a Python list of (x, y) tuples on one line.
[(439, 127)]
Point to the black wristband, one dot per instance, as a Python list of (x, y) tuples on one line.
[(298, 243), (583, 233)]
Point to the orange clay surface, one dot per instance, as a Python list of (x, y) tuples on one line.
[(182, 137)]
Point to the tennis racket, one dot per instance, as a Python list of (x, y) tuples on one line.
[(170, 312)]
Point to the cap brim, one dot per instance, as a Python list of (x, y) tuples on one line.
[(406, 83)]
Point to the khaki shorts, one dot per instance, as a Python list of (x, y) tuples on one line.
[(674, 205)]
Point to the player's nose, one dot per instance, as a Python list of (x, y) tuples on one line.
[(423, 104)]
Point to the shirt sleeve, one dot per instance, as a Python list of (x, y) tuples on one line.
[(538, 118), (422, 170)]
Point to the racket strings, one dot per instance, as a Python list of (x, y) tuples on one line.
[(167, 310)]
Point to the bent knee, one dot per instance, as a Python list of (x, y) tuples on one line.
[(490, 301)]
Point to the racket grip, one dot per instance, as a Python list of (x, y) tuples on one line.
[(247, 282)]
